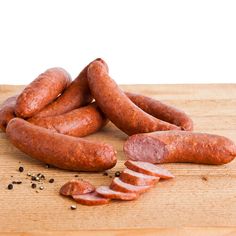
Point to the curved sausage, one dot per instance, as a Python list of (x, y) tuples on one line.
[(118, 107), (76, 187), (75, 96), (180, 146), (106, 192), (62, 151), (148, 169), (135, 178), (91, 199), (162, 111), (43, 90), (7, 112), (119, 185), (78, 122)]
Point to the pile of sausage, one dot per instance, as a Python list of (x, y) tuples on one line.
[(48, 119), (136, 179)]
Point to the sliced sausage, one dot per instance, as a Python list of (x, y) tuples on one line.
[(118, 107), (42, 91), (78, 122), (148, 169), (106, 192), (75, 96), (91, 199), (7, 112), (162, 111), (135, 178), (62, 151), (76, 187), (180, 146), (119, 185)]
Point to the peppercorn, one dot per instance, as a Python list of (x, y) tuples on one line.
[(117, 174), (21, 169), (33, 185), (10, 186), (73, 207), (51, 181)]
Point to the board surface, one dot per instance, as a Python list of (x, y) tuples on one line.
[(201, 197)]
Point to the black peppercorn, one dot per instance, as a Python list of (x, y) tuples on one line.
[(10, 186), (21, 169), (51, 181)]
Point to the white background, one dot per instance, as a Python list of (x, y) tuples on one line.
[(142, 41)]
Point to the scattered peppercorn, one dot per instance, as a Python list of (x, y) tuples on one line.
[(41, 187), (21, 169), (16, 182), (33, 185), (33, 178), (42, 177), (10, 186), (51, 181), (105, 174), (73, 207), (37, 178), (117, 174), (29, 174)]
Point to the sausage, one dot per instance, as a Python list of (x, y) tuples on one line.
[(162, 111), (91, 199), (76, 187), (62, 151), (42, 91), (135, 178), (7, 112), (78, 122), (119, 185), (75, 96), (118, 107), (180, 146), (106, 192), (148, 169)]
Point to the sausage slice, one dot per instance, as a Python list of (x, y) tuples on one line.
[(106, 192), (91, 199), (135, 178), (119, 185), (148, 169)]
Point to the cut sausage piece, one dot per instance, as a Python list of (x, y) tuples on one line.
[(119, 185), (42, 91), (180, 146), (62, 151), (78, 122), (7, 112), (91, 199), (76, 187), (106, 192), (75, 96), (148, 169), (135, 178), (162, 111), (118, 107)]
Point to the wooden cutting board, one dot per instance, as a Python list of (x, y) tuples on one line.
[(201, 199)]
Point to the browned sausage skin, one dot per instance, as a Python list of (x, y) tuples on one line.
[(118, 107), (162, 111), (78, 122), (180, 146), (75, 96), (62, 151), (40, 92), (7, 112)]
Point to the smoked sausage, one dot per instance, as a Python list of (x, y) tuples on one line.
[(42, 91), (118, 107), (180, 146), (75, 96), (62, 151), (162, 111), (7, 112), (78, 122)]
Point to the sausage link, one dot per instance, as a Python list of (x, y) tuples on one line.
[(118, 107), (78, 122), (43, 90), (162, 111), (75, 96), (62, 151), (7, 112), (180, 146)]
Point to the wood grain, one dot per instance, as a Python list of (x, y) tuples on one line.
[(201, 198)]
